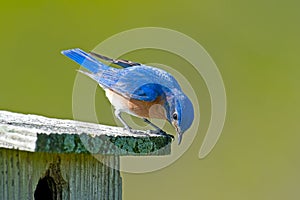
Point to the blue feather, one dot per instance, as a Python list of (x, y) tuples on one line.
[(120, 62), (139, 82), (85, 60)]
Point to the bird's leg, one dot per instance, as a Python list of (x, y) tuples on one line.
[(118, 115), (157, 129), (126, 126), (153, 125)]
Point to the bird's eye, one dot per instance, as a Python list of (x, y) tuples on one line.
[(175, 117)]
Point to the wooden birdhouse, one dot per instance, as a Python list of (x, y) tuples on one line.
[(44, 158)]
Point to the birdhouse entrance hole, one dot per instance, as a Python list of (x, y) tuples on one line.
[(50, 187), (46, 189)]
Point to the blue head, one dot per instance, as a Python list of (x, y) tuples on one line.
[(180, 113)]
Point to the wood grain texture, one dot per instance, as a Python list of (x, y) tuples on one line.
[(46, 158), (76, 176), (41, 134)]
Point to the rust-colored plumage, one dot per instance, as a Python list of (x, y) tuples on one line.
[(139, 108)]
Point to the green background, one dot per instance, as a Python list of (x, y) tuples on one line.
[(255, 45)]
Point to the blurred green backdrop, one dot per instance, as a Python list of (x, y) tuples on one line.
[(255, 44)]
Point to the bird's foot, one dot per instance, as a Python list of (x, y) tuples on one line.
[(130, 130), (156, 132), (159, 132)]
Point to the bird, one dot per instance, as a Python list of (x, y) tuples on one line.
[(139, 90)]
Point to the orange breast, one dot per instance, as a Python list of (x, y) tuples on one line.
[(139, 108), (152, 109)]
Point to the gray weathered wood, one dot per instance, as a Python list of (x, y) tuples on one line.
[(75, 176), (40, 134), (45, 158)]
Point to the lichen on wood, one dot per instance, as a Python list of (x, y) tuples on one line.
[(41, 134)]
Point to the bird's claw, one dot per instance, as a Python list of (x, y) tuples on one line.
[(171, 136), (130, 130), (156, 132), (160, 132)]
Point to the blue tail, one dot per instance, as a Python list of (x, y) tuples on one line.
[(85, 60)]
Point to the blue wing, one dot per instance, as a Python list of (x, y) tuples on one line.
[(135, 81), (85, 60), (120, 62), (144, 83)]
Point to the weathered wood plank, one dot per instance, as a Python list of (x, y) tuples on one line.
[(75, 176), (66, 159), (41, 134)]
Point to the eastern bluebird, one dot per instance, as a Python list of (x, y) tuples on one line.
[(140, 90)]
